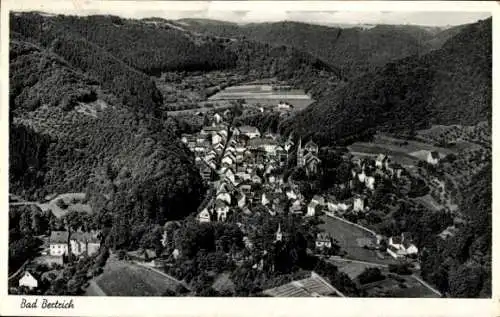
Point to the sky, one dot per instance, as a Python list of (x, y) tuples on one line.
[(352, 12)]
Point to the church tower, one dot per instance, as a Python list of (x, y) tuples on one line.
[(300, 154), (279, 235)]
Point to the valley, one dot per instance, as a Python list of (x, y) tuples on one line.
[(211, 159)]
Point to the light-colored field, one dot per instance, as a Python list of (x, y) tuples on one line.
[(264, 94), (404, 152), (398, 286), (347, 236), (352, 269), (73, 200), (121, 278)]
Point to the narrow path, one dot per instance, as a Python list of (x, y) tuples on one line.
[(435, 291)]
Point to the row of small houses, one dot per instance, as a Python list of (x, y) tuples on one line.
[(61, 244)]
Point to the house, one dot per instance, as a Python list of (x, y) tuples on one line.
[(311, 208), (296, 207), (203, 216), (370, 182), (250, 132), (188, 138), (218, 148), (241, 199), (323, 240), (290, 194), (216, 138), (265, 199), (311, 147), (381, 160), (284, 106), (228, 160), (256, 179), (359, 204), (217, 118), (318, 199), (243, 176), (228, 174), (221, 209), (223, 134), (224, 196), (337, 207), (28, 280), (59, 243), (245, 188), (399, 247), (84, 243), (248, 243), (433, 157), (200, 139), (362, 176)]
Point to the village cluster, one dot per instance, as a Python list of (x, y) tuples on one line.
[(245, 170)]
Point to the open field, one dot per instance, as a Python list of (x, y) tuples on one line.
[(73, 200), (352, 268), (347, 236), (404, 152), (265, 95), (122, 278), (398, 286)]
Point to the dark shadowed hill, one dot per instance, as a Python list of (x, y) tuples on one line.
[(353, 50), (451, 85)]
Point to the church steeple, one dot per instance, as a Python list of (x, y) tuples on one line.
[(300, 154), (279, 235)]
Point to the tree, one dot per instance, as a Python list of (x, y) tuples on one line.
[(371, 274)]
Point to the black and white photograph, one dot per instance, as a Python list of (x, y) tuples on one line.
[(246, 153)]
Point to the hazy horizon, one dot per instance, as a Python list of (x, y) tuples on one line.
[(252, 12)]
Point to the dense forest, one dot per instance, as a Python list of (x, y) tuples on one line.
[(71, 134), (352, 50), (451, 85)]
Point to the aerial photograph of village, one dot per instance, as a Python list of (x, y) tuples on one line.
[(223, 156)]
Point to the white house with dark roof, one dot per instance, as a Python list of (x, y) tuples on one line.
[(221, 209), (250, 132), (311, 208), (433, 157), (28, 280), (323, 240), (399, 247), (203, 216), (59, 243), (84, 243)]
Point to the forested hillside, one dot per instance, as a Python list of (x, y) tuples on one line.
[(87, 116), (461, 266), (352, 50), (451, 85), (121, 54), (70, 134)]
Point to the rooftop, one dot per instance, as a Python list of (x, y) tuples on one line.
[(314, 286)]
